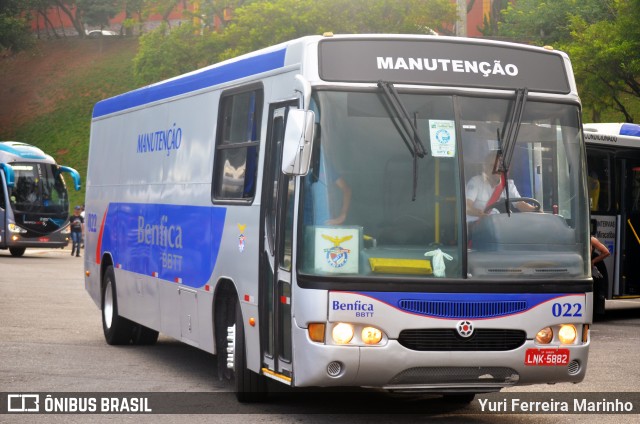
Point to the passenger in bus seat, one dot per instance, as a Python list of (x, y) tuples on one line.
[(320, 183)]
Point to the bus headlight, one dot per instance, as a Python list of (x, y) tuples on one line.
[(342, 333), (66, 230), (371, 335), (544, 336), (13, 228), (567, 334)]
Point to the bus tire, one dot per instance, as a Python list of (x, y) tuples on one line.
[(117, 330), (248, 385), (17, 251), (144, 336)]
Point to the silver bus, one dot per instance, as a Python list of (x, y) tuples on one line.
[(613, 162), (34, 203), (393, 211)]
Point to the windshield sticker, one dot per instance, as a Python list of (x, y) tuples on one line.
[(443, 138), (337, 249)]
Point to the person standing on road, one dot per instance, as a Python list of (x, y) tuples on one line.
[(76, 222)]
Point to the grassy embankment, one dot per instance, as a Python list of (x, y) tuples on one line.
[(56, 116)]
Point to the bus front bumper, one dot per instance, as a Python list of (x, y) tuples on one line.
[(54, 240), (395, 368)]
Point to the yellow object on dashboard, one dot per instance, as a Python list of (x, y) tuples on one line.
[(400, 266)]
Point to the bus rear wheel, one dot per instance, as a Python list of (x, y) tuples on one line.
[(17, 251)]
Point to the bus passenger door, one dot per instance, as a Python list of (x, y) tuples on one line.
[(630, 284), (275, 263)]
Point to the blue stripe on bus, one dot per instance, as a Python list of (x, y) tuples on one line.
[(24, 151), (188, 83), (176, 243), (463, 305)]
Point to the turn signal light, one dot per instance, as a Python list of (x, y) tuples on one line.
[(316, 332)]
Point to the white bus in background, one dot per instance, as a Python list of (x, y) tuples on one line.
[(34, 203), (613, 155), (300, 212)]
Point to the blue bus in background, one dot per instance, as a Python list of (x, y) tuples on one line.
[(34, 203)]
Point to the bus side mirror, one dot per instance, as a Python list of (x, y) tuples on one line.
[(298, 142), (8, 174), (74, 174)]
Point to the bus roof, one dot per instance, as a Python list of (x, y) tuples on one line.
[(11, 151), (403, 59), (613, 134)]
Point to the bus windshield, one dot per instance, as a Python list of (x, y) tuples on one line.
[(39, 189), (371, 206)]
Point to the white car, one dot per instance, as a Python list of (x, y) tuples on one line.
[(100, 33)]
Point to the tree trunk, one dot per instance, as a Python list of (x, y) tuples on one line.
[(76, 19)]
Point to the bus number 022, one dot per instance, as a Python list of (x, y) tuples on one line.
[(567, 309)]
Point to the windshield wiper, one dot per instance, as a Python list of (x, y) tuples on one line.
[(507, 139), (402, 120), (405, 126)]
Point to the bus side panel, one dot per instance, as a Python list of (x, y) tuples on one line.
[(154, 165)]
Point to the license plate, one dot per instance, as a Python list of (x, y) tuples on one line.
[(43, 239), (546, 357)]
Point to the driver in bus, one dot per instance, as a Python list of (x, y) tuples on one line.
[(481, 188)]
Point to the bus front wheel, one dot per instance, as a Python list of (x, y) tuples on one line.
[(17, 251), (248, 385)]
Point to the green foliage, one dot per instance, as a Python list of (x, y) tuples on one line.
[(602, 38), (98, 12), (258, 24), (547, 22), (606, 61), (163, 54), (15, 34)]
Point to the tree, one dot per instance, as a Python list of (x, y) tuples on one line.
[(260, 24), (547, 22), (98, 12), (15, 34), (70, 9), (163, 54), (257, 24), (602, 38), (606, 59)]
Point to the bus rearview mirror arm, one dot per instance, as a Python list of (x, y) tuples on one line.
[(298, 142), (8, 174), (304, 89), (75, 175)]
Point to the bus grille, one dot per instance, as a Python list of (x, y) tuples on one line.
[(448, 340), (463, 310)]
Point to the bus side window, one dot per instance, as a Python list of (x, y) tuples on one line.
[(237, 145)]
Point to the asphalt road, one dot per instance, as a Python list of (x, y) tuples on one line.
[(51, 342)]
